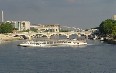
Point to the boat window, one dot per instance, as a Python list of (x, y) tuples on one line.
[(43, 43), (37, 43)]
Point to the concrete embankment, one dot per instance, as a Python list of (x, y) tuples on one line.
[(5, 38)]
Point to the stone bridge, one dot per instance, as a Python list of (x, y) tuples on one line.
[(49, 34), (67, 34)]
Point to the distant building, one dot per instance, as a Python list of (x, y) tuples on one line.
[(25, 25), (49, 27), (20, 25), (114, 17), (34, 26)]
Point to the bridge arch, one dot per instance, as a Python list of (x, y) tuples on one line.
[(44, 36), (22, 36), (67, 34), (73, 36)]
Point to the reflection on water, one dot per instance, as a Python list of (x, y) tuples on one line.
[(96, 58)]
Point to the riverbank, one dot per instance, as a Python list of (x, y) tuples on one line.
[(110, 41), (7, 38)]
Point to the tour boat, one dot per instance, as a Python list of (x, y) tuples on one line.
[(34, 44), (72, 43), (53, 43)]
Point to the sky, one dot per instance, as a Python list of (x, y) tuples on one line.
[(73, 13)]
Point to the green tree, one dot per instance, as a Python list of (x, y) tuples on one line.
[(114, 31), (25, 30), (6, 28), (34, 29), (106, 26)]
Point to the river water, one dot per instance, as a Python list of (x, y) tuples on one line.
[(94, 58)]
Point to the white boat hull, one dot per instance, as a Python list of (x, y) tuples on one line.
[(59, 43)]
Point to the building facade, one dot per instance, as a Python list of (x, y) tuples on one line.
[(49, 27), (20, 25), (114, 17)]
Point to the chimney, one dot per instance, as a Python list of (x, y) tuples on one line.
[(2, 16)]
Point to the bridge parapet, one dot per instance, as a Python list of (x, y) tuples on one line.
[(48, 34)]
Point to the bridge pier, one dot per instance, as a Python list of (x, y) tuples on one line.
[(29, 37), (48, 36), (68, 36)]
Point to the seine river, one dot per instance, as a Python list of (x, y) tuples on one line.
[(94, 58)]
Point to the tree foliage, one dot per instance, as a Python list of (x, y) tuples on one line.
[(114, 31), (34, 29), (6, 28), (25, 30), (108, 27)]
